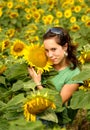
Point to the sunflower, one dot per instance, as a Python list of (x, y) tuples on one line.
[(10, 4), (10, 33), (75, 27), (5, 44), (85, 54), (37, 104), (35, 56), (67, 13), (86, 85), (73, 19), (87, 23), (17, 48)]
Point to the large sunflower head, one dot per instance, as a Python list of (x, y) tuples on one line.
[(17, 48), (35, 56), (37, 104)]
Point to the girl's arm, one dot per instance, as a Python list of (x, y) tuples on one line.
[(67, 91)]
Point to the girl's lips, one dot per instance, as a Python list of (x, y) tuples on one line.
[(53, 59)]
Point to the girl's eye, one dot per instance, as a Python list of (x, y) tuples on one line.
[(53, 49)]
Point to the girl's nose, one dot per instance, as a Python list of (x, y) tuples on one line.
[(50, 54)]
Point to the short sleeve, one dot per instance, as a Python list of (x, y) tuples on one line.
[(73, 73)]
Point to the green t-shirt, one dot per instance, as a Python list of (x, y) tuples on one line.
[(64, 77)]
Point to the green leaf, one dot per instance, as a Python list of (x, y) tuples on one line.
[(49, 115), (88, 115), (16, 71), (22, 124), (29, 85), (4, 125), (2, 80), (16, 100), (83, 75), (80, 99), (17, 86), (2, 104)]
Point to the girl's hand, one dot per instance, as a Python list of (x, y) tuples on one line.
[(36, 76)]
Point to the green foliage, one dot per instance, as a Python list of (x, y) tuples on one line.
[(80, 99)]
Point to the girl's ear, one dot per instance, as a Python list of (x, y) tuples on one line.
[(65, 46)]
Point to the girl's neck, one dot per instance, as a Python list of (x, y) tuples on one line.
[(61, 66)]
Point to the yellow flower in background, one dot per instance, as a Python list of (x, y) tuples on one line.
[(10, 4), (48, 19), (86, 85), (67, 3), (5, 44), (36, 105), (77, 8), (87, 11), (36, 15), (27, 10), (59, 14), (85, 54), (56, 21), (67, 13), (0, 29), (13, 14), (33, 9), (84, 18), (41, 11), (82, 1), (75, 28), (73, 19), (87, 23), (28, 16), (10, 33), (35, 56), (34, 3), (82, 58), (1, 12), (17, 48)]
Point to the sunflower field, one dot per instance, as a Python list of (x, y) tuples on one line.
[(22, 25)]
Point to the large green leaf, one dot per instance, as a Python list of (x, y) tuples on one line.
[(29, 85), (80, 99), (49, 115), (16, 71), (16, 100), (2, 104), (22, 124), (4, 125), (17, 86), (2, 80), (84, 75)]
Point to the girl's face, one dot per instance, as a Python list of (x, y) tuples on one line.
[(54, 51)]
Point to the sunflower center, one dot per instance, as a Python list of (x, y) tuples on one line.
[(18, 47), (41, 59), (6, 43)]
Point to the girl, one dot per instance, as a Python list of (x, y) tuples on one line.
[(62, 53)]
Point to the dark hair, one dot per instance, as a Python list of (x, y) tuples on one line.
[(62, 37)]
